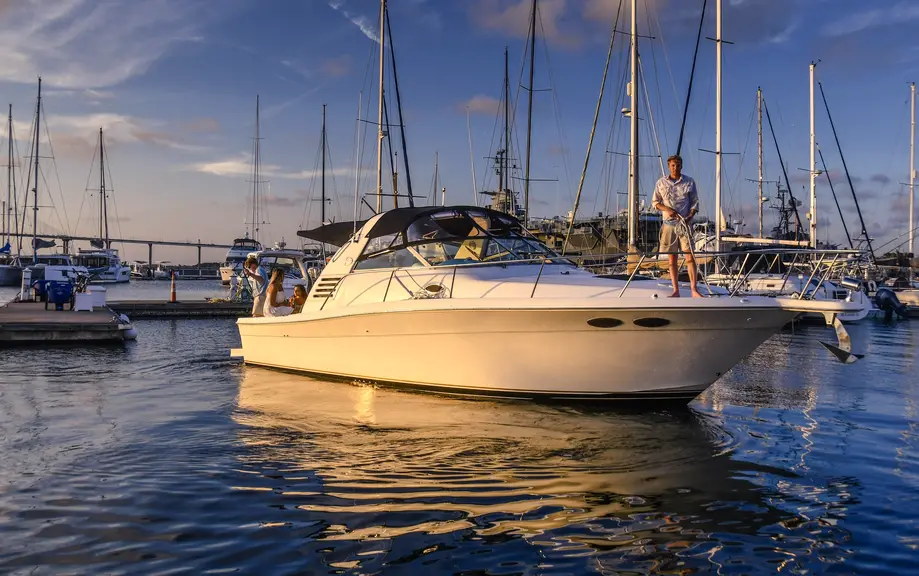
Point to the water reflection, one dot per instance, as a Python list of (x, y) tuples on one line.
[(395, 477)]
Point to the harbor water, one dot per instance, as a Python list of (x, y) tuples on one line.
[(165, 456)]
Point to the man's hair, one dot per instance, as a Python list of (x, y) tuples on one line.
[(676, 158), (251, 260)]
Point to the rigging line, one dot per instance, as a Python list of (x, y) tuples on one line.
[(311, 189), (791, 195), (691, 156), (732, 185), (558, 116), (60, 187), (652, 127), (657, 86), (405, 162), (331, 172), (577, 198), (355, 161), (92, 165), (692, 74), (111, 188), (846, 169), (842, 219)]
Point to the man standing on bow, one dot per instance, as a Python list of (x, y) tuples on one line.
[(676, 197)]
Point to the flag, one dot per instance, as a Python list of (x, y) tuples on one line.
[(38, 243)]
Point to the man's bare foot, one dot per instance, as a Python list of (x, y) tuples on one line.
[(695, 294), (675, 295)]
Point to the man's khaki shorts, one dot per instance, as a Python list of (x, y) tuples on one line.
[(673, 240)]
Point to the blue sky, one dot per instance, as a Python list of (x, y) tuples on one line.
[(173, 82)]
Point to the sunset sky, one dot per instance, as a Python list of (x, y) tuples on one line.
[(174, 82)]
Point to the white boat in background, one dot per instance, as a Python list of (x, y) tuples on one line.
[(10, 270), (301, 267), (462, 300), (104, 266), (57, 267), (102, 261), (236, 256), (796, 285)]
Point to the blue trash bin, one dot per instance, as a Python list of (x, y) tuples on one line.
[(59, 293)]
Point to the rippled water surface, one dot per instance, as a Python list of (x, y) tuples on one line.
[(165, 456)]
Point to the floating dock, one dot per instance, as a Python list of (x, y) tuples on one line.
[(137, 309), (29, 322)]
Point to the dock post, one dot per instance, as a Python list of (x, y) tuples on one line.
[(25, 290), (172, 289), (199, 253), (150, 257)]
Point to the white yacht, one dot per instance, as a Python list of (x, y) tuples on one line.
[(57, 267), (300, 266), (104, 266), (462, 300), (767, 284), (236, 256)]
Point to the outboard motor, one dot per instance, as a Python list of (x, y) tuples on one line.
[(885, 299)]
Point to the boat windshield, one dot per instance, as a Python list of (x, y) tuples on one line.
[(454, 237)]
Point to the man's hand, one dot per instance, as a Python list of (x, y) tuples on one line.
[(667, 211)]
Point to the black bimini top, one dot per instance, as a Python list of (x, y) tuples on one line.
[(393, 222)]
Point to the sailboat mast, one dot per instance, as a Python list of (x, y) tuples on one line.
[(526, 180), (436, 166), (813, 164), (322, 211), (103, 206), (9, 182), (718, 62), (912, 163), (380, 132), (759, 148), (506, 186), (255, 174), (35, 189), (633, 123)]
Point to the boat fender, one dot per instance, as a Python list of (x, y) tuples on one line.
[(130, 333)]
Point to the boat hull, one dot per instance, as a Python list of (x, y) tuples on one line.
[(591, 353), (10, 275)]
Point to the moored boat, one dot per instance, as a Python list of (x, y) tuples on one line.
[(463, 300)]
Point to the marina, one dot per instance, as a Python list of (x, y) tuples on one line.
[(652, 309)]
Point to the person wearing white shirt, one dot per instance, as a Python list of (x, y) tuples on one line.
[(675, 195)]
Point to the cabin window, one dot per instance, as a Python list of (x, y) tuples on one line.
[(401, 258)]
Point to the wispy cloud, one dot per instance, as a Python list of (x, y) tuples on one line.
[(241, 165), (513, 18), (73, 131), (85, 44), (480, 104), (900, 13), (337, 67), (365, 24)]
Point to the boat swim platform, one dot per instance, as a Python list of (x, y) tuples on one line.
[(183, 309), (31, 323)]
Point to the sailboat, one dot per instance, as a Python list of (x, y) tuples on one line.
[(102, 261), (474, 286), (910, 296), (10, 269), (242, 247), (55, 266)]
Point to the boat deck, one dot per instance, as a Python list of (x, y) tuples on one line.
[(24, 322)]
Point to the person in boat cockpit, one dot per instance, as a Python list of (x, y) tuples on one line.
[(257, 273), (675, 195)]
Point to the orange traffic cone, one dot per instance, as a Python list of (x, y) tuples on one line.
[(172, 296)]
